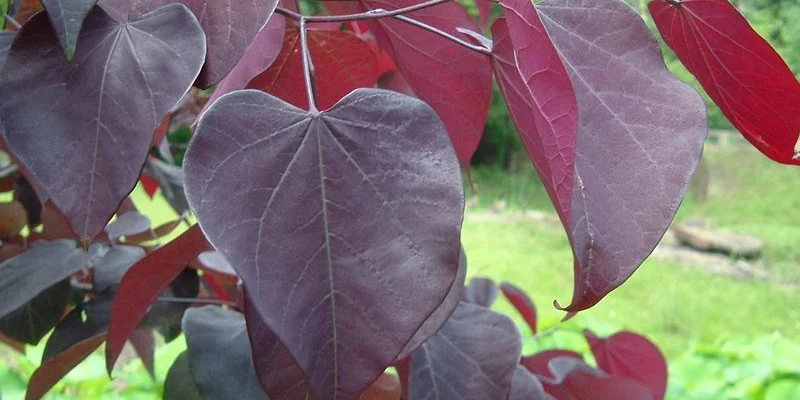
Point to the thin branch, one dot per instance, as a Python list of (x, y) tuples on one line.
[(188, 300), (372, 14), (13, 21), (308, 67), (457, 40)]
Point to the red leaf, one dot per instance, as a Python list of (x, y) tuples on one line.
[(27, 9), (162, 130), (142, 284), (340, 7), (565, 375), (484, 13), (546, 111), (739, 70), (342, 63), (455, 81), (521, 302), (150, 185), (628, 355), (55, 368), (261, 54), (394, 81), (580, 385)]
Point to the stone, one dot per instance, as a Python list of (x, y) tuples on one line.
[(704, 238)]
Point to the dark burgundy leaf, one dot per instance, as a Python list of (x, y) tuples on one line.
[(481, 291), (78, 335), (144, 342), (42, 266), (13, 344), (455, 81), (50, 372), (639, 140), (109, 269), (473, 356), (88, 320), (166, 315), (142, 284), (739, 70), (375, 198), (524, 305), (278, 372), (219, 354), (538, 363), (180, 384), (31, 322), (628, 355), (67, 17), (342, 63), (442, 313), (25, 194), (525, 386), (230, 27), (108, 101), (264, 50), (126, 224), (540, 97)]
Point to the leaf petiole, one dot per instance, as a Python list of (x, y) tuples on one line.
[(308, 67), (429, 28), (371, 14)]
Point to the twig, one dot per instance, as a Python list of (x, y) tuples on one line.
[(372, 14), (188, 300), (13, 21), (308, 68), (422, 25)]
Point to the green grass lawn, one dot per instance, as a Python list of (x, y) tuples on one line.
[(682, 308)]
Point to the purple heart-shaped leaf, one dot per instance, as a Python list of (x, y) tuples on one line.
[(95, 114), (474, 356), (230, 27), (344, 225), (640, 136)]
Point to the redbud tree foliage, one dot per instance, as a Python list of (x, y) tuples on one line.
[(322, 194)]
